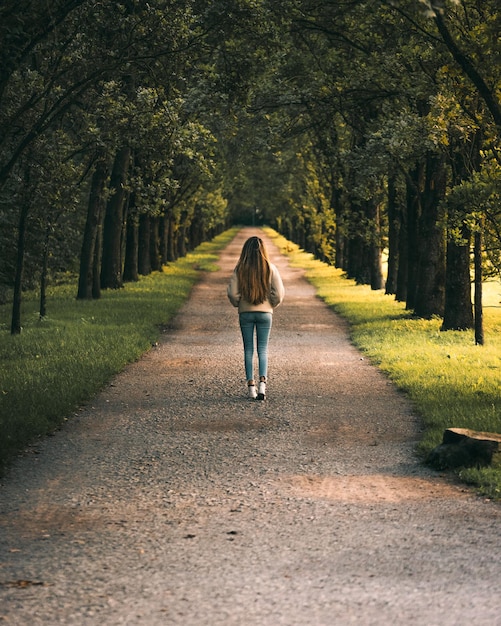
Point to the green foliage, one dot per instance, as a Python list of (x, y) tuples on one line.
[(60, 362), (102, 76), (293, 112), (450, 381)]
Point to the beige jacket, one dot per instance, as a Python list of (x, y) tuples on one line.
[(275, 296)]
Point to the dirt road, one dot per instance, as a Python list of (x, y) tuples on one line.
[(173, 499)]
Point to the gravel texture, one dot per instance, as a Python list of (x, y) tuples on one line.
[(174, 499)]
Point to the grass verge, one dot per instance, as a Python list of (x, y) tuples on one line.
[(450, 381), (57, 364)]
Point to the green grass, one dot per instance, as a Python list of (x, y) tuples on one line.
[(450, 381), (57, 364)]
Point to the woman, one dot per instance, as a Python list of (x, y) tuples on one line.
[(256, 288)]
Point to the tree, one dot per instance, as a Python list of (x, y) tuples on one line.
[(467, 31), (88, 286)]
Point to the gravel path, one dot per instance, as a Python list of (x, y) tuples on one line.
[(173, 499)]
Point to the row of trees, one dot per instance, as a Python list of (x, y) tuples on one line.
[(131, 131), (106, 160), (393, 110)]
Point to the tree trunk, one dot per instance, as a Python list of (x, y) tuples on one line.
[(164, 236), (155, 262), (171, 239), (403, 259), (144, 258), (131, 250), (376, 270), (354, 252), (430, 289), (394, 219), (364, 246), (95, 210), (15, 328), (340, 258), (197, 232), (413, 205), (98, 254), (458, 312), (300, 236), (111, 267), (181, 241), (356, 260), (479, 325), (44, 272), (337, 205)]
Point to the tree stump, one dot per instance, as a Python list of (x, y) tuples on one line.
[(462, 447)]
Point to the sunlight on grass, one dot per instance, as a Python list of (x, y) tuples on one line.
[(450, 381), (58, 363)]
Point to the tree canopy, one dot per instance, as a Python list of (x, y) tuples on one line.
[(131, 131)]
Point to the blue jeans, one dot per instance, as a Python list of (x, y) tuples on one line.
[(261, 323)]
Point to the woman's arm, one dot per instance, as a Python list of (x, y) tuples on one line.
[(233, 290), (277, 290)]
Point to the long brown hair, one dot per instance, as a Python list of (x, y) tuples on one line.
[(253, 271)]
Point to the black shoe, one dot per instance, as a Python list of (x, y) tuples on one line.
[(261, 394)]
